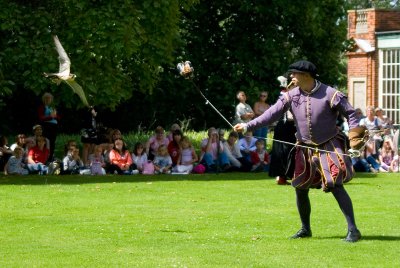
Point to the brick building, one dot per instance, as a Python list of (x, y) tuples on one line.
[(373, 71)]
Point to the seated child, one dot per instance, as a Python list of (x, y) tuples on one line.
[(386, 154), (72, 163), (187, 157), (259, 157), (96, 161), (247, 144), (121, 159), (15, 166), (139, 156), (162, 161)]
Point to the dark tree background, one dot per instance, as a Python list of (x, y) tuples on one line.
[(124, 54)]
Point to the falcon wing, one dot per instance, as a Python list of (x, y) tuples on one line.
[(78, 90), (65, 63)]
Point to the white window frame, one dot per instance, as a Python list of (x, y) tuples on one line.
[(389, 77)]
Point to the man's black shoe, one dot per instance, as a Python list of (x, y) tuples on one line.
[(302, 233), (353, 236)]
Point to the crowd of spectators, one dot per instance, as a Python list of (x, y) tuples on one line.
[(106, 152), (172, 153), (381, 151)]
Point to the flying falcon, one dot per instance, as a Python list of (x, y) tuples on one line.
[(64, 74)]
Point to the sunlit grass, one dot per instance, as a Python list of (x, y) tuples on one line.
[(209, 220)]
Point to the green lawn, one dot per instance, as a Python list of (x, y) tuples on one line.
[(211, 220)]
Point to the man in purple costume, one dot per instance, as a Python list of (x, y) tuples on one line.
[(315, 108)]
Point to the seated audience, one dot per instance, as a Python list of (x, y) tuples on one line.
[(155, 141), (359, 113), (259, 157), (385, 122), (236, 160), (38, 132), (386, 155), (374, 127), (173, 128), (29, 144), (72, 162), (174, 149), (360, 164), (116, 134), (19, 142), (15, 165), (213, 156), (247, 144), (187, 157), (162, 161), (139, 156), (69, 146), (38, 156), (96, 161), (371, 155), (121, 160)]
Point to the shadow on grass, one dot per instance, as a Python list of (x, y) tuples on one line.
[(365, 175), (87, 179), (381, 237), (369, 237)]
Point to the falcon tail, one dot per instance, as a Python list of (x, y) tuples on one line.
[(78, 90)]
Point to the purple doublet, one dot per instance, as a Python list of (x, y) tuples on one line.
[(315, 114)]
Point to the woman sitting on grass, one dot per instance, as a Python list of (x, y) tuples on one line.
[(38, 157), (155, 141)]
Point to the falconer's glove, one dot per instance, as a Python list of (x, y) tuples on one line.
[(358, 136), (241, 127)]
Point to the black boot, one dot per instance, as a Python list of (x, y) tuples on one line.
[(302, 233), (353, 236)]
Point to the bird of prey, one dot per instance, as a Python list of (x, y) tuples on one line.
[(64, 74)]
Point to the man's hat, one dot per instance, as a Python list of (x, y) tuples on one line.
[(303, 66), (36, 126)]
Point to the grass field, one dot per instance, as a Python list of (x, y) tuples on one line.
[(211, 220)]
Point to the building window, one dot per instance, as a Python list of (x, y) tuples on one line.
[(389, 97)]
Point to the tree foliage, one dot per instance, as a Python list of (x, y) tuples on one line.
[(245, 45), (124, 53), (116, 47)]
